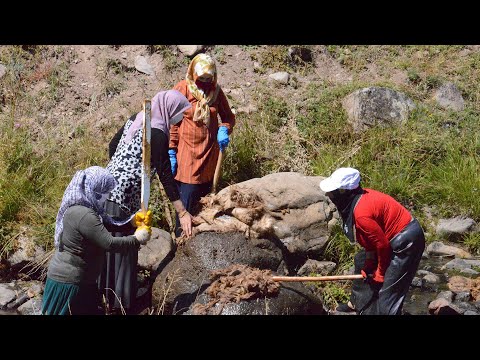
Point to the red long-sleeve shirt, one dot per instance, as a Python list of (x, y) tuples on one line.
[(378, 218)]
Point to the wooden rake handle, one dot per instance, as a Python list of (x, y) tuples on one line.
[(218, 169), (317, 278)]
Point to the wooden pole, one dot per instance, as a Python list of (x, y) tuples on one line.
[(317, 278), (218, 169)]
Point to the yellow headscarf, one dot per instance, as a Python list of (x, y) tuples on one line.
[(200, 65)]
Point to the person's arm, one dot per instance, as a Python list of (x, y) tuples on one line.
[(92, 229), (112, 147), (161, 161), (375, 238), (226, 114)]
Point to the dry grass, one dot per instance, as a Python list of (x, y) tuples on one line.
[(39, 264), (173, 279)]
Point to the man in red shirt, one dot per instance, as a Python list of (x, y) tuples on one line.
[(393, 240)]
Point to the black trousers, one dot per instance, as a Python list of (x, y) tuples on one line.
[(118, 279), (407, 248), (190, 194)]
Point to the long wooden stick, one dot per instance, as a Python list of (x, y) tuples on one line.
[(317, 278), (146, 155), (218, 169)]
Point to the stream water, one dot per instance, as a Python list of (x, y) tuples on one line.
[(417, 299)]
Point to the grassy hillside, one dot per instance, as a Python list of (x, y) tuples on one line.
[(433, 160)]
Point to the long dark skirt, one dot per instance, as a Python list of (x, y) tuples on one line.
[(407, 248), (118, 280), (190, 194), (70, 299)]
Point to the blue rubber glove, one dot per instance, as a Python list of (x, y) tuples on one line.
[(173, 160), (222, 137)]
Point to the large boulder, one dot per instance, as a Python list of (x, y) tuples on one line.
[(377, 106), (286, 206), (156, 250), (276, 222), (187, 275)]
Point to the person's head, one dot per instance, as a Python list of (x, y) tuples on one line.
[(98, 183), (172, 104), (341, 182), (204, 72), (167, 110), (90, 188)]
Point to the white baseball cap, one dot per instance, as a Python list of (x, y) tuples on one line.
[(342, 178)]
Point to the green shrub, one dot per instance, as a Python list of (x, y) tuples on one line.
[(472, 242)]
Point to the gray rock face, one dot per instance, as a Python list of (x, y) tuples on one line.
[(465, 306), (31, 307), (447, 295), (431, 279), (294, 210), (417, 282), (463, 296), (453, 229), (377, 106), (286, 190), (7, 294), (142, 65), (27, 252), (187, 275), (293, 299), (449, 97), (158, 248), (302, 210), (318, 267), (461, 264)]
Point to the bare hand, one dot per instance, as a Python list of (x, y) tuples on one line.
[(186, 224)]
